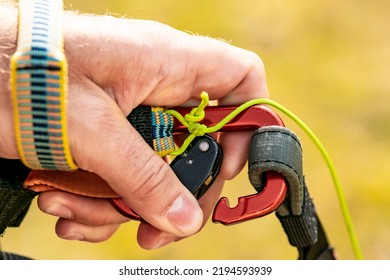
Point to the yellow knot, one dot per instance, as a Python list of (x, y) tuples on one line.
[(197, 129), (192, 122), (194, 116)]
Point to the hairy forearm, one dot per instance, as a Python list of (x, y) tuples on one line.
[(8, 36)]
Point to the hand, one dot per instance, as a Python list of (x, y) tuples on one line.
[(115, 65)]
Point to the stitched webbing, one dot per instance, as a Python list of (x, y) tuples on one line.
[(155, 126), (38, 85), (276, 148)]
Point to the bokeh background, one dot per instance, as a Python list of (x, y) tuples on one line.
[(327, 61)]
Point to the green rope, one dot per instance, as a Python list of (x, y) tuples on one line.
[(192, 120)]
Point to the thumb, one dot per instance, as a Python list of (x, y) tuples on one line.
[(103, 142)]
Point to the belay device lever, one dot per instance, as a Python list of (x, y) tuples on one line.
[(199, 165)]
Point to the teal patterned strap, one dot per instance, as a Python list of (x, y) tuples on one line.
[(39, 85)]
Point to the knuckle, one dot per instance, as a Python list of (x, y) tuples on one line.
[(100, 234), (254, 62)]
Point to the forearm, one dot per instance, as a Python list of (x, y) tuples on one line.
[(8, 36)]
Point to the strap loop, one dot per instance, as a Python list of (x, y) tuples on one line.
[(38, 86)]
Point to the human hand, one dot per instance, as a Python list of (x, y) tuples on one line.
[(114, 66)]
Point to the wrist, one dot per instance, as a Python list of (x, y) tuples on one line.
[(8, 38)]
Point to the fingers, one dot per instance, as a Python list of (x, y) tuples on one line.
[(150, 237), (228, 74), (233, 86), (157, 65), (231, 75), (79, 219), (236, 148), (79, 208), (70, 230), (105, 143)]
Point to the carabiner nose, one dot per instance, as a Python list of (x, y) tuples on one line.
[(274, 162), (253, 206)]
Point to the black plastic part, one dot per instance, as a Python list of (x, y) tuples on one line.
[(199, 165)]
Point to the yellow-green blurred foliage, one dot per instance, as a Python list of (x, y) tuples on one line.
[(328, 61)]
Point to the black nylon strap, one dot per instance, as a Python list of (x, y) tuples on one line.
[(141, 119), (302, 230), (276, 148), (14, 199), (321, 250), (306, 232), (5, 256)]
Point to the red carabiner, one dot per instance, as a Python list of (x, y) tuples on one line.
[(275, 190), (248, 120), (250, 206), (253, 206)]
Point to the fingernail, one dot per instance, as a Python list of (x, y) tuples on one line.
[(59, 210), (72, 236), (185, 214), (164, 241)]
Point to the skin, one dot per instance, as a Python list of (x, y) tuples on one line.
[(115, 65)]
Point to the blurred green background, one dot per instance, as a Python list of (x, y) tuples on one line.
[(327, 61)]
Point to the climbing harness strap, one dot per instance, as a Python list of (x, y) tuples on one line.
[(15, 200), (6, 256), (155, 126), (38, 85), (278, 149)]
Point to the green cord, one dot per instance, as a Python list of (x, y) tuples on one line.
[(192, 120)]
